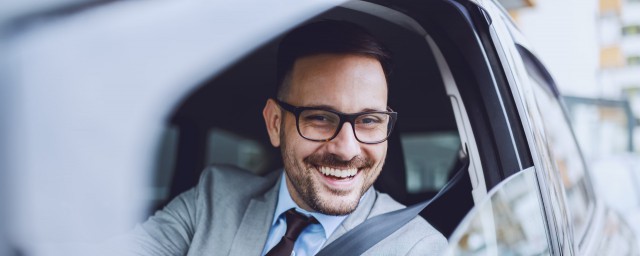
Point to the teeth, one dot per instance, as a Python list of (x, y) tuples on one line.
[(338, 173)]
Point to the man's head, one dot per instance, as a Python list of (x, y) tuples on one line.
[(326, 69)]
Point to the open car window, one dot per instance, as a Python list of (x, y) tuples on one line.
[(221, 122)]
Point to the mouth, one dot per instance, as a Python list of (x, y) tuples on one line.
[(338, 174), (338, 179)]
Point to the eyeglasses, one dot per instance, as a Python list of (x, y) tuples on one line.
[(321, 124)]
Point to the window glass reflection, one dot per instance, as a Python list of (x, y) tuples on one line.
[(511, 223)]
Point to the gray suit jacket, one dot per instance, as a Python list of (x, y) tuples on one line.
[(230, 212)]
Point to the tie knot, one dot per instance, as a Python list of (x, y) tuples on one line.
[(296, 222)]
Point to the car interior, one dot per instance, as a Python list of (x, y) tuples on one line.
[(221, 122)]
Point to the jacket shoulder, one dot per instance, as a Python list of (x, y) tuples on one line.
[(231, 179)]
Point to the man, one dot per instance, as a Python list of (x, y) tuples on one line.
[(331, 122)]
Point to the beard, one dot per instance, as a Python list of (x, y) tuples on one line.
[(320, 198)]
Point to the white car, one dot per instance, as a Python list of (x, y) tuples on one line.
[(112, 108)]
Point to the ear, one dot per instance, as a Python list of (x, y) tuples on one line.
[(273, 118)]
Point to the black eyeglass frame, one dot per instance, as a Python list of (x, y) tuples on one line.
[(351, 118)]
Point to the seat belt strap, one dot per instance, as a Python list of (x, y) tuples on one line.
[(373, 230)]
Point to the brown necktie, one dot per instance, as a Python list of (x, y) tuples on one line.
[(296, 222)]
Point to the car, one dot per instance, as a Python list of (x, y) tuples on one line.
[(114, 108)]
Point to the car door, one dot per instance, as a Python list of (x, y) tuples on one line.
[(575, 218)]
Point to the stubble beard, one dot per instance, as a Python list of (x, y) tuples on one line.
[(335, 202)]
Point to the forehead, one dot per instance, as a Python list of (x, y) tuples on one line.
[(345, 82)]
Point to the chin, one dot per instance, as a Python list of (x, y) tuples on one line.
[(339, 204)]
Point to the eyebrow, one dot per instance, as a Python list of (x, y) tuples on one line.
[(327, 107)]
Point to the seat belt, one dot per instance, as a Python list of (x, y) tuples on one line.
[(373, 230)]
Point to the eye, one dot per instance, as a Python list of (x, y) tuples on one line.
[(371, 119), (317, 118)]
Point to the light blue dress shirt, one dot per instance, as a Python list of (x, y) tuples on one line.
[(312, 238)]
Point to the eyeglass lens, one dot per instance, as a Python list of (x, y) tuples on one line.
[(322, 125)]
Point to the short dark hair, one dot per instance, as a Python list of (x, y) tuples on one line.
[(327, 36)]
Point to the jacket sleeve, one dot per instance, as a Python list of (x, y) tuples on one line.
[(168, 232)]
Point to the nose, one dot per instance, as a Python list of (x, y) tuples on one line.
[(344, 145)]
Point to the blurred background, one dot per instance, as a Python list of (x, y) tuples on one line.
[(592, 49)]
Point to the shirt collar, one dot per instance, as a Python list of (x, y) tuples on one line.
[(329, 222)]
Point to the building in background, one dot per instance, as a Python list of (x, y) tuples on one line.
[(513, 6), (619, 73), (592, 49)]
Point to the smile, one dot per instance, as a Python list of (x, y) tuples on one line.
[(338, 173)]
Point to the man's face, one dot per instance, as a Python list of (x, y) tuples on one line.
[(345, 83)]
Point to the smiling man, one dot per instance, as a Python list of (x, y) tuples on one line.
[(331, 121), (327, 168)]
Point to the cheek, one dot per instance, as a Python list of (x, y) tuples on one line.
[(377, 153), (299, 147)]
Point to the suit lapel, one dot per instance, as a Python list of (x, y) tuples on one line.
[(256, 222), (358, 216)]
